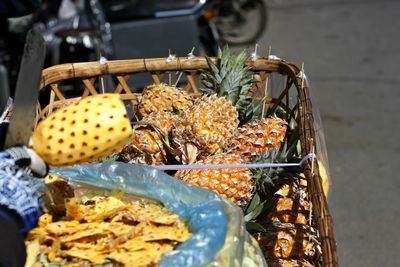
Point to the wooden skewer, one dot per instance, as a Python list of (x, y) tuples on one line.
[(265, 96), (266, 84), (310, 217), (169, 73), (313, 158), (254, 55), (102, 90), (180, 74), (302, 77), (312, 171), (179, 77)]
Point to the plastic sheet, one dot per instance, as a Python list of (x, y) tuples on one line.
[(320, 149), (275, 85), (218, 230)]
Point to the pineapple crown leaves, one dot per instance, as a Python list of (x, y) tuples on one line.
[(229, 77), (251, 113), (268, 179)]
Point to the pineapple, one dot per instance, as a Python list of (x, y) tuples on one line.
[(289, 263), (161, 97), (84, 131), (279, 213), (211, 123), (235, 184), (206, 128), (291, 205), (259, 136), (284, 244), (146, 145)]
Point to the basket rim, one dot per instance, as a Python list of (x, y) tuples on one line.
[(66, 71)]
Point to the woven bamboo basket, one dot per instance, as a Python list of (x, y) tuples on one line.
[(294, 98)]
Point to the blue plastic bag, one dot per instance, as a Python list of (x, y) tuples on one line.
[(218, 236)]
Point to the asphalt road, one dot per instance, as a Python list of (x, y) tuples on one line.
[(351, 50)]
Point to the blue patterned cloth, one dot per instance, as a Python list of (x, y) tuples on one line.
[(19, 190)]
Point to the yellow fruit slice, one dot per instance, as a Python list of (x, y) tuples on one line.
[(84, 131)]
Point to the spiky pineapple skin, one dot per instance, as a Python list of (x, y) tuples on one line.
[(288, 241), (285, 235), (162, 97), (146, 145), (209, 125), (257, 137), (84, 131), (235, 184), (291, 204), (289, 263), (292, 242)]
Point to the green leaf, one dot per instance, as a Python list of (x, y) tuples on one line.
[(255, 201), (254, 227), (229, 77), (254, 214)]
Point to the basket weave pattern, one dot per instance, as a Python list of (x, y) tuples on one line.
[(160, 70)]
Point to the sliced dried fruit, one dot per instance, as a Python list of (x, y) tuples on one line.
[(131, 234), (141, 258), (153, 233), (86, 254)]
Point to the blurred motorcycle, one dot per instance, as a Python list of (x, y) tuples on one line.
[(86, 30), (236, 22)]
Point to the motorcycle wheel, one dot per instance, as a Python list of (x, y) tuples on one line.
[(243, 26)]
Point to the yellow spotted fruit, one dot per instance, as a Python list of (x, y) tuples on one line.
[(85, 131)]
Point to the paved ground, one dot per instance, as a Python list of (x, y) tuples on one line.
[(351, 50)]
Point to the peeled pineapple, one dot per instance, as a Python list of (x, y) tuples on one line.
[(84, 131), (161, 97), (236, 184)]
